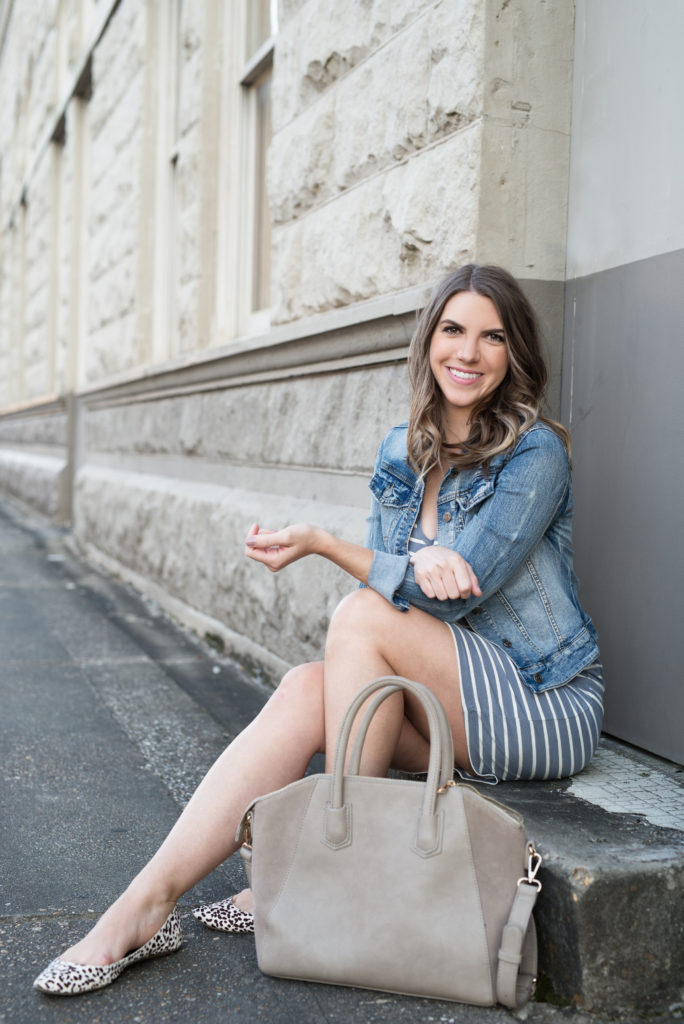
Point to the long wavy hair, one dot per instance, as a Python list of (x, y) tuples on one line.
[(497, 421)]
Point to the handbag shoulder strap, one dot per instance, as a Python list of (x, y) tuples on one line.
[(517, 961)]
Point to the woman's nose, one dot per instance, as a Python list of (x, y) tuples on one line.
[(469, 349)]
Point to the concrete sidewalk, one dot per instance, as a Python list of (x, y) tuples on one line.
[(110, 716)]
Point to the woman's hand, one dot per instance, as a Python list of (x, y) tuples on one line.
[(442, 573), (277, 548)]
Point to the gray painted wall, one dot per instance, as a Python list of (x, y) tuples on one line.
[(623, 362), (623, 388)]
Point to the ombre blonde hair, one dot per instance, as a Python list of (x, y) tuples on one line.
[(498, 420)]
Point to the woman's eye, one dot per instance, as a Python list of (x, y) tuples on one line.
[(497, 337), (451, 329)]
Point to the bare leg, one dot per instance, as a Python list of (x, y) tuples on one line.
[(369, 638), (273, 750)]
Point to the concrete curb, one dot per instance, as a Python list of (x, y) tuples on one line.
[(610, 916)]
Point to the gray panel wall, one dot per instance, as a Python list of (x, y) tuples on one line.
[(623, 393)]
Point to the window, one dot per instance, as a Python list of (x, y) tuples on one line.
[(260, 31)]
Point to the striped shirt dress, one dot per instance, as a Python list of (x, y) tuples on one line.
[(512, 731)]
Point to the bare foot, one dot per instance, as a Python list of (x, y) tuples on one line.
[(243, 900), (128, 924)]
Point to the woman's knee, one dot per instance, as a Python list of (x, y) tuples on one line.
[(359, 612), (301, 685)]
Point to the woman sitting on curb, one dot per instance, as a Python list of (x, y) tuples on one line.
[(468, 588)]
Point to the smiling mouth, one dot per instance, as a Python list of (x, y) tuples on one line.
[(464, 376)]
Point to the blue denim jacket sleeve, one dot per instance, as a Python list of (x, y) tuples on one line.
[(529, 492), (387, 572)]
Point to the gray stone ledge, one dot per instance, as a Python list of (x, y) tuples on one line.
[(48, 405), (366, 333), (334, 487)]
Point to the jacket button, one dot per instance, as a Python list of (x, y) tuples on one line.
[(477, 611), (447, 517), (537, 677), (507, 643)]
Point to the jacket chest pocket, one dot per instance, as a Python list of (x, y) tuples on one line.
[(470, 498), (390, 491)]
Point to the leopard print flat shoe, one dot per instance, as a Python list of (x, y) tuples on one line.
[(224, 916), (62, 978)]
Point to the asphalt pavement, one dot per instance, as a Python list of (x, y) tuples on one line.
[(111, 713)]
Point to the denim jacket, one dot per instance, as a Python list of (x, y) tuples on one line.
[(514, 528)]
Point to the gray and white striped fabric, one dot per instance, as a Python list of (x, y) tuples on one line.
[(512, 732), (515, 733)]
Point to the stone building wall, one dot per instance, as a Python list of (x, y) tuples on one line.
[(376, 152), (112, 194), (408, 137)]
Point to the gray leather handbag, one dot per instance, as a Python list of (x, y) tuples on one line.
[(419, 888)]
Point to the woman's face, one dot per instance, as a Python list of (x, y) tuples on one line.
[(468, 356)]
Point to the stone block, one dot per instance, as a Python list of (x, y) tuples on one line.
[(528, 63), (191, 67), (37, 372), (112, 347), (456, 42), (34, 430), (334, 421), (301, 161), (118, 60), (188, 539), (526, 141), (287, 9), (314, 49), (44, 47), (320, 43), (34, 479), (381, 117), (526, 237), (186, 314), (610, 916), (111, 296), (394, 231), (374, 117)]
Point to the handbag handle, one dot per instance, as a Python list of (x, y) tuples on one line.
[(446, 771), (337, 831)]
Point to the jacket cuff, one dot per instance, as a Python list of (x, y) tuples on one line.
[(387, 574)]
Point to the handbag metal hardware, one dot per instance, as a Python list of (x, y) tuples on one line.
[(248, 831), (447, 785), (534, 860)]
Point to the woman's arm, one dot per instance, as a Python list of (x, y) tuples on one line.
[(276, 549), (443, 573)]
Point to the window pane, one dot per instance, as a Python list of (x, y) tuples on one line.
[(259, 27), (262, 216)]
